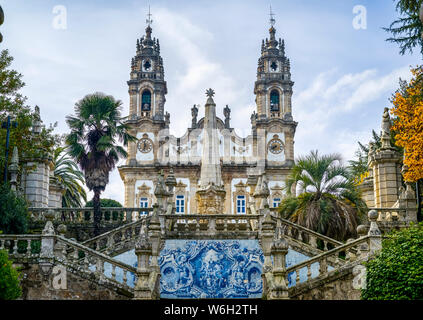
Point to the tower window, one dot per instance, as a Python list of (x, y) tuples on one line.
[(274, 100), (274, 66), (276, 202), (146, 101)]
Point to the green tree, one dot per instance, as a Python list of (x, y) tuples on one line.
[(13, 212), (397, 272), (105, 203), (328, 201), (92, 142), (407, 29), (68, 175), (108, 203), (12, 104), (9, 279)]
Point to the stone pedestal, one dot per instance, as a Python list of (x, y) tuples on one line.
[(386, 166)]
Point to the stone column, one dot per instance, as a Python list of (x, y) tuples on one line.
[(143, 250), (155, 236), (47, 245), (129, 183), (37, 182), (385, 164), (408, 201), (279, 289), (13, 169), (374, 233), (267, 234)]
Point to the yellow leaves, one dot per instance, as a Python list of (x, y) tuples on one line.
[(408, 108)]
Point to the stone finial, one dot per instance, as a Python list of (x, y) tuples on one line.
[(362, 230), (374, 229), (210, 94), (170, 180), (62, 229)]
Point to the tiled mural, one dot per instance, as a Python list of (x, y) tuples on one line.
[(211, 269)]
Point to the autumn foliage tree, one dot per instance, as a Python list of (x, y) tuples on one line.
[(408, 123)]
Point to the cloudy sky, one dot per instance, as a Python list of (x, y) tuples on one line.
[(343, 76)]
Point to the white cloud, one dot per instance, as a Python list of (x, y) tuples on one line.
[(335, 112)]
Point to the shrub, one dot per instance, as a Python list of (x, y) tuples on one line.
[(13, 212), (9, 279), (397, 272)]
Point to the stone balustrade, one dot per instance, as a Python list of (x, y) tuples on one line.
[(20, 247), (82, 259), (391, 214), (300, 236), (196, 226), (119, 239), (86, 215), (328, 261)]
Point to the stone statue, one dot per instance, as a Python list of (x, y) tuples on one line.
[(194, 113), (386, 129), (227, 114), (386, 122)]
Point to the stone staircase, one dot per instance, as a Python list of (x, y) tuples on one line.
[(93, 260)]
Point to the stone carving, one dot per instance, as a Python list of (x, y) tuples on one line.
[(211, 269)]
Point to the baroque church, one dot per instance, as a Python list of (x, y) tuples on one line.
[(216, 170)]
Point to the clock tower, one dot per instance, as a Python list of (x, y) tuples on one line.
[(273, 123)]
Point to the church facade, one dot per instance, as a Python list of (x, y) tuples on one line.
[(216, 170)]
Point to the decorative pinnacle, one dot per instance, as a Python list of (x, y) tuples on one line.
[(149, 21), (210, 93), (272, 19)]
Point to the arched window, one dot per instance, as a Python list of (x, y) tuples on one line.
[(274, 100), (146, 101)]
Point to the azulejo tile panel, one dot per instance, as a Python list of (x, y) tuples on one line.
[(211, 269)]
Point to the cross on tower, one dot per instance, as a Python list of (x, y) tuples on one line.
[(149, 21), (272, 19)]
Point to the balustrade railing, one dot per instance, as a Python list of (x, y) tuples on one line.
[(322, 264), (21, 246), (105, 268), (390, 214), (305, 236), (86, 215), (116, 239), (213, 224)]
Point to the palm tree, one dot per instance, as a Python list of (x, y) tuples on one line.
[(92, 142), (67, 174), (328, 201)]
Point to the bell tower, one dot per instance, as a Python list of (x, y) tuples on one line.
[(147, 88), (272, 123), (273, 87)]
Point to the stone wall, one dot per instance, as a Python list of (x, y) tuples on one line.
[(35, 286)]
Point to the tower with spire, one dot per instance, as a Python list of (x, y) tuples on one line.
[(273, 90), (147, 87)]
